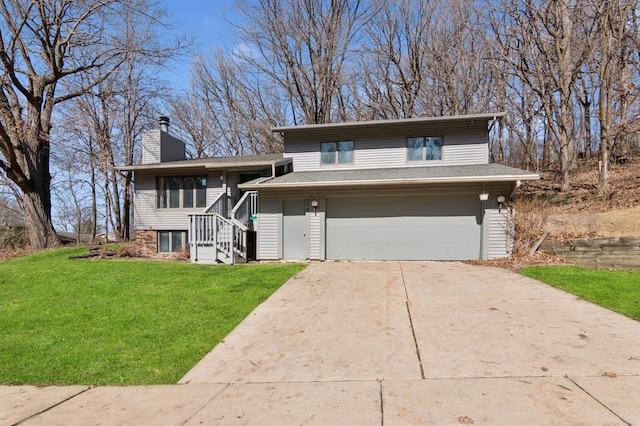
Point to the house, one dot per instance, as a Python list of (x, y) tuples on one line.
[(410, 189)]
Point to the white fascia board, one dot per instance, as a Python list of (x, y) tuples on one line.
[(376, 123), (467, 179), (204, 166)]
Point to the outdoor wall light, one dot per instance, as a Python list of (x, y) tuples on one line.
[(314, 204), (484, 196), (501, 199)]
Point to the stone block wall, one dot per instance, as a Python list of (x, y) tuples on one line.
[(598, 253), (147, 243)]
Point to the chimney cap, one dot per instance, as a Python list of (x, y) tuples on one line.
[(164, 123)]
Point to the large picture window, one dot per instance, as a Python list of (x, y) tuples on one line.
[(424, 148), (181, 192), (336, 152), (171, 241)]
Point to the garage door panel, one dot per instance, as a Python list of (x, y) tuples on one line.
[(403, 228)]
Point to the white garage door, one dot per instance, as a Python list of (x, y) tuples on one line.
[(415, 227)]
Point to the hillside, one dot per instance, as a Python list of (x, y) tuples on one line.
[(583, 212)]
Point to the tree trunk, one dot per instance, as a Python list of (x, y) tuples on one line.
[(37, 212)]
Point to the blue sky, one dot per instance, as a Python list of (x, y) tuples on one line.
[(205, 20)]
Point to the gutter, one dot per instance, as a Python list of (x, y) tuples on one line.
[(204, 166), (386, 182)]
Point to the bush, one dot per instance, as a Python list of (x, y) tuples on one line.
[(12, 237), (127, 250), (532, 221)]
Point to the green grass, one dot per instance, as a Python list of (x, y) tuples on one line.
[(616, 290), (119, 322)]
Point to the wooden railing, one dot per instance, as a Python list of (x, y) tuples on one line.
[(227, 236), (220, 205), (245, 208)]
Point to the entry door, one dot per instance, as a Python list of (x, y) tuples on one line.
[(294, 235)]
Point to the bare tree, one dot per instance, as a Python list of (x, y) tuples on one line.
[(394, 68), (229, 111), (51, 52), (615, 43), (546, 44), (302, 46)]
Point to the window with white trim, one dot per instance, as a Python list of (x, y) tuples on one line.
[(181, 192), (424, 148), (336, 152), (171, 241)]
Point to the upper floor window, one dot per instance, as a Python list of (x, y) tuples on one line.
[(336, 152), (424, 148), (181, 192)]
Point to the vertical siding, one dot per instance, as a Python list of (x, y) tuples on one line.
[(500, 234), (268, 227)]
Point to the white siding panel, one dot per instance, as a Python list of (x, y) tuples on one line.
[(151, 147), (306, 156), (268, 227), (315, 229), (465, 154), (500, 236)]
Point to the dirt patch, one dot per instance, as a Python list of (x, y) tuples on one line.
[(614, 223), (584, 211)]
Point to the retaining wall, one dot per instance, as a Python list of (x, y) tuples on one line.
[(598, 253)]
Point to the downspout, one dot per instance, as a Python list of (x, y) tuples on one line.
[(510, 220), (515, 189)]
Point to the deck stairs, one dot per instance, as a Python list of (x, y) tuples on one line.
[(219, 234)]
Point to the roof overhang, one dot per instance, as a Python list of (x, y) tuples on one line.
[(199, 165), (318, 181), (378, 183), (372, 124)]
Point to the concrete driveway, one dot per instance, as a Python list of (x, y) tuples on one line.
[(388, 343)]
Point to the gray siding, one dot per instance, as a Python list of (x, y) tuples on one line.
[(268, 227), (461, 146), (160, 146), (270, 205), (147, 216), (171, 148), (423, 227)]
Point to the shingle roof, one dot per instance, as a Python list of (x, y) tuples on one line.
[(387, 123), (214, 162), (403, 175)]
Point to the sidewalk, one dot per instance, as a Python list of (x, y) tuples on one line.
[(386, 343)]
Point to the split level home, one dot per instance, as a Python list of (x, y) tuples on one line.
[(410, 189)]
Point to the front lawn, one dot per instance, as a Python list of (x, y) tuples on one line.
[(120, 322), (616, 290)]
